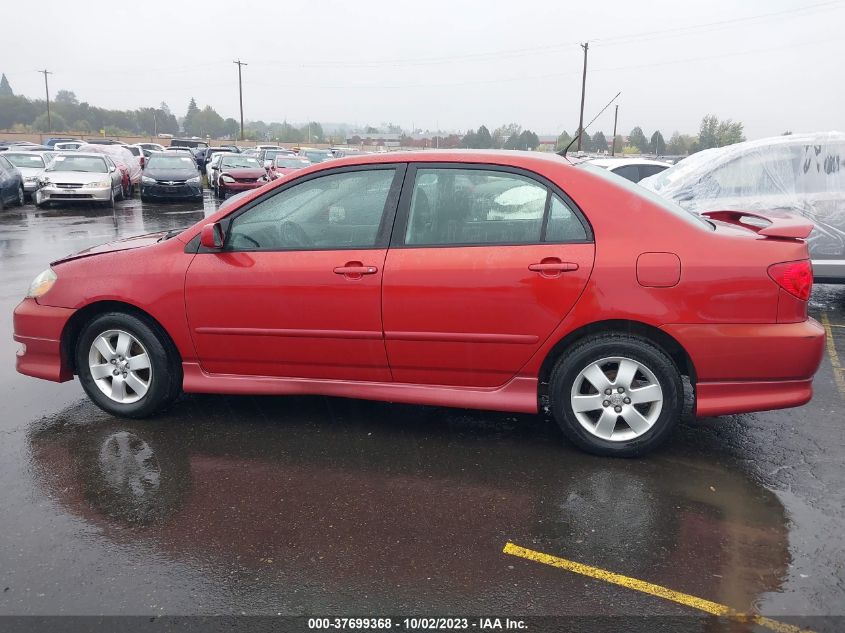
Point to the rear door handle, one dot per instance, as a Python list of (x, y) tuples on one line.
[(355, 270), (553, 265)]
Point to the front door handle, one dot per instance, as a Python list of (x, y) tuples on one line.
[(355, 270), (552, 267)]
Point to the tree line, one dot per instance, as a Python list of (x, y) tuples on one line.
[(68, 114)]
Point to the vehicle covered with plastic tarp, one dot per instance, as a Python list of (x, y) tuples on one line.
[(801, 173), (120, 155)]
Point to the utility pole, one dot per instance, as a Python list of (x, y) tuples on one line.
[(585, 46), (241, 93), (613, 144), (47, 90)]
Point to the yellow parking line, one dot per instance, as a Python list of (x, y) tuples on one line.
[(838, 370), (685, 599)]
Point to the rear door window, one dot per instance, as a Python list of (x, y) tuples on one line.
[(451, 207)]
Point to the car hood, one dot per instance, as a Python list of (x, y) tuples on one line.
[(77, 177), (128, 243), (171, 174), (245, 172)]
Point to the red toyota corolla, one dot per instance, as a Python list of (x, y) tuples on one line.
[(490, 280)]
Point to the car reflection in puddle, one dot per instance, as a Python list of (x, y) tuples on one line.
[(391, 501)]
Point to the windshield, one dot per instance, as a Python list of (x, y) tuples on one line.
[(25, 160), (236, 162), (91, 164), (136, 151), (287, 162), (171, 162), (634, 188)]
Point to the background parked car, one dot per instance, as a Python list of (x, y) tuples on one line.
[(30, 165), (67, 146), (803, 173), (124, 159), (79, 177), (238, 173), (267, 156), (151, 147), (11, 184), (634, 169), (315, 155), (51, 142), (285, 164), (206, 154), (171, 176)]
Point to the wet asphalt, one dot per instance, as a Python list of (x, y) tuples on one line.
[(310, 505)]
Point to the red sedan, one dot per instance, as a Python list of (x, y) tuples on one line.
[(237, 173), (491, 280)]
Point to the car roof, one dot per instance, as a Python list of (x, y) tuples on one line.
[(620, 162)]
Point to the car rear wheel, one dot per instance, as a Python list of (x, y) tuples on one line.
[(20, 199), (127, 366), (616, 395)]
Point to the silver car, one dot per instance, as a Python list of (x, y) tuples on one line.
[(30, 164), (79, 177), (801, 173)]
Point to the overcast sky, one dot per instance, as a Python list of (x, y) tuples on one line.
[(448, 64)]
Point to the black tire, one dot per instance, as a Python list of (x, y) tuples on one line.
[(21, 197), (165, 381), (144, 199), (644, 352)]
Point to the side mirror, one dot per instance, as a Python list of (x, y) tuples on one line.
[(212, 236)]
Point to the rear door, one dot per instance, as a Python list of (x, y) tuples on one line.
[(484, 263), (296, 292)]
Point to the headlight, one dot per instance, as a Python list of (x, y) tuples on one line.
[(30, 179), (194, 181), (226, 178), (147, 180), (41, 284), (97, 185)]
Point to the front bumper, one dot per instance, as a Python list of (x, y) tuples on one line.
[(50, 193), (38, 329), (742, 367), (172, 192), (240, 186)]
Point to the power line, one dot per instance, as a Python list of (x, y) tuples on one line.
[(520, 52)]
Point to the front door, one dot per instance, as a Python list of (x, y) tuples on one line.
[(296, 292), (483, 266)]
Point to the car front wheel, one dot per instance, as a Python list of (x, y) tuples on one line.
[(616, 395), (127, 366)]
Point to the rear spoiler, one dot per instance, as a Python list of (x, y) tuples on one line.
[(780, 224)]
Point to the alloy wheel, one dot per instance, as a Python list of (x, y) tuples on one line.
[(120, 366), (616, 399)]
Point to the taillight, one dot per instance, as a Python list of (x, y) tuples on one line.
[(794, 277)]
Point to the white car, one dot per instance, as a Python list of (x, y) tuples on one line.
[(68, 146), (79, 177), (151, 147), (634, 169), (30, 164)]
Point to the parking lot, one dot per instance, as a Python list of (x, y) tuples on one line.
[(304, 505)]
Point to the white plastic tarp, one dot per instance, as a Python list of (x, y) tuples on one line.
[(802, 173), (118, 154)]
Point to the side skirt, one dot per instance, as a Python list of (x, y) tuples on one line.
[(519, 395)]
